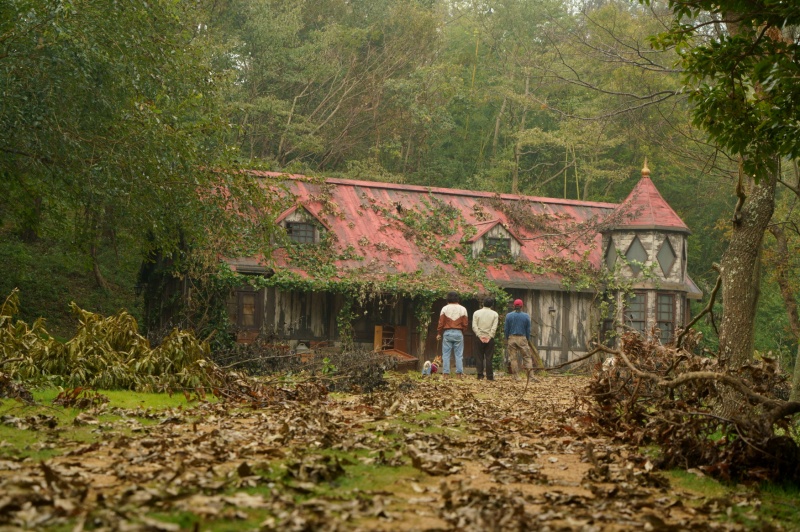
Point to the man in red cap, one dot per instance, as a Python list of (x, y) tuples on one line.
[(518, 334)]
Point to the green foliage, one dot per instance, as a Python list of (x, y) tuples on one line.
[(328, 368), (742, 80), (107, 353), (111, 126), (51, 272)]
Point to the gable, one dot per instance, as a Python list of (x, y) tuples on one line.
[(494, 232)]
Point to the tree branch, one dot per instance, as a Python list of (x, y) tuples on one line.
[(708, 308)]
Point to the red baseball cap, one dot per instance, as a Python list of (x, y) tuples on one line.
[(517, 302)]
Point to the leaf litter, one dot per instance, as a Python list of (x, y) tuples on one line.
[(465, 455)]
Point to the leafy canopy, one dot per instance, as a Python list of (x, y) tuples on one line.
[(740, 59)]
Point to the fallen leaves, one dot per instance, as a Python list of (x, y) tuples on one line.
[(462, 455)]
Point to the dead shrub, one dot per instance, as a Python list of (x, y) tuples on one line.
[(654, 394)]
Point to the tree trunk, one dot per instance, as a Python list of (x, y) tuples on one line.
[(794, 395), (98, 275), (32, 221), (497, 127), (740, 270), (782, 269), (518, 146)]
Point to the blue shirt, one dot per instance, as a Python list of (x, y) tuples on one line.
[(518, 323)]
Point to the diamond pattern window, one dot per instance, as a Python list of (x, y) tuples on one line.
[(611, 255), (666, 257), (636, 252), (300, 232)]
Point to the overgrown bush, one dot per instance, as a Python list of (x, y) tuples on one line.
[(266, 355), (109, 353), (105, 353)]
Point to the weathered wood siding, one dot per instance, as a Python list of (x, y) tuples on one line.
[(300, 315), (312, 316)]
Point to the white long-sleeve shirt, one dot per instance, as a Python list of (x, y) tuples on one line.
[(484, 322)]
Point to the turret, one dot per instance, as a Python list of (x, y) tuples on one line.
[(646, 246)]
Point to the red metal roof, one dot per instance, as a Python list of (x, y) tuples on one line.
[(648, 210), (378, 220)]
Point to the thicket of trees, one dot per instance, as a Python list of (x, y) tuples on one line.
[(113, 115)]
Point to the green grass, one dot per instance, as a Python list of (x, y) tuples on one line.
[(32, 444), (780, 505), (703, 486)]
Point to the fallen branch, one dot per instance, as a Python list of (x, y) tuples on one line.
[(708, 308), (775, 408)]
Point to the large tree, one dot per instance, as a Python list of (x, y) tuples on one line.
[(740, 62)]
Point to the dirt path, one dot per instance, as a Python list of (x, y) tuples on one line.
[(425, 454)]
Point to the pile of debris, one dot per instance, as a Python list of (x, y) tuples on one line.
[(728, 424)]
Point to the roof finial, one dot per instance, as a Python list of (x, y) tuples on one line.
[(645, 169)]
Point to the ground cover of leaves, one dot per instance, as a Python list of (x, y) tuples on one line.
[(422, 454)]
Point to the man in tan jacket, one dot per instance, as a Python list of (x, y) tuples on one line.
[(484, 325)]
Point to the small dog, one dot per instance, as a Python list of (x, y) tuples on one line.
[(426, 368), (430, 368)]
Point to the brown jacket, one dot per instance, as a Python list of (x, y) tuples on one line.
[(453, 316)]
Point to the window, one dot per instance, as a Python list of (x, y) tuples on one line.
[(665, 316), (666, 257), (247, 317), (249, 309), (636, 311), (611, 255), (300, 232), (497, 248), (636, 252), (608, 329)]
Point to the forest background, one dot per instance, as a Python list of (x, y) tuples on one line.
[(114, 115)]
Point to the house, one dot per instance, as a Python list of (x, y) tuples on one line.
[(368, 263)]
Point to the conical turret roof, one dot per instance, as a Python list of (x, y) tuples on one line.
[(644, 208)]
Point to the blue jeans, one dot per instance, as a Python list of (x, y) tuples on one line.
[(453, 341)]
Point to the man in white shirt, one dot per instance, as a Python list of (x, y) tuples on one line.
[(484, 325)]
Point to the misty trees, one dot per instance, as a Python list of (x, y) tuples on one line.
[(110, 121)]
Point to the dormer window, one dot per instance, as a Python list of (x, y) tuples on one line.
[(495, 241), (497, 248), (301, 232), (302, 226)]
